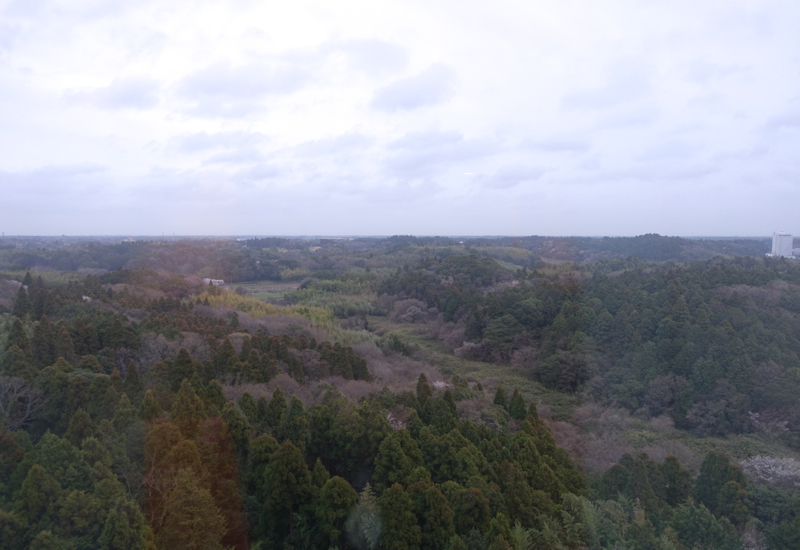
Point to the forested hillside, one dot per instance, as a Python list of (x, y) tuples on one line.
[(399, 393)]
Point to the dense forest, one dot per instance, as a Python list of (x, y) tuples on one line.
[(525, 393)]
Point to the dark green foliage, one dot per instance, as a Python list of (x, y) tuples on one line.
[(516, 407), (276, 409), (715, 471), (500, 397), (401, 530), (248, 406), (22, 305)]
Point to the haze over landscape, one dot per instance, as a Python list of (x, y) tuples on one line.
[(554, 118)]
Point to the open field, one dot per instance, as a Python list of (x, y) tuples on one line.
[(267, 289)]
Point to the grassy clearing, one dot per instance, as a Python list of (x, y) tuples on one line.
[(261, 290), (490, 375)]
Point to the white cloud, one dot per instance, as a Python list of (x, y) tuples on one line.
[(430, 87), (129, 93)]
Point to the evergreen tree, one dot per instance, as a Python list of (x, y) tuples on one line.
[(132, 384), (639, 487), (16, 364), (80, 427), (187, 410), (276, 409), (500, 398), (18, 337), (336, 499), (124, 415), (424, 398), (125, 528), (678, 481), (192, 519), (22, 305), (715, 471), (516, 408), (182, 368), (150, 409), (363, 526), (249, 407), (43, 344), (64, 347), (434, 515), (287, 483), (400, 528)]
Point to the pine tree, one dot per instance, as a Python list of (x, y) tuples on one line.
[(182, 368), (287, 482), (678, 481), (150, 409), (64, 347), (249, 407), (187, 410), (715, 471), (336, 499), (192, 519), (18, 337), (400, 528), (16, 364), (434, 515), (43, 344), (295, 424), (533, 411), (424, 398), (125, 528), (639, 487), (22, 305), (132, 384), (516, 408), (276, 409), (80, 427), (500, 398), (363, 526), (37, 495), (124, 415)]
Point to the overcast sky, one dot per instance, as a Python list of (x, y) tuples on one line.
[(563, 117)]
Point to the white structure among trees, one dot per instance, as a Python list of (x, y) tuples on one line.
[(782, 244)]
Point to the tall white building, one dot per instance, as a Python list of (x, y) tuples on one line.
[(782, 244)]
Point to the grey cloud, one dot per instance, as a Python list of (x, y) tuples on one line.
[(202, 141), (510, 176), (418, 155), (626, 82), (129, 93), (433, 85), (373, 57), (223, 90), (331, 146)]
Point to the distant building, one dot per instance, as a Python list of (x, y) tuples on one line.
[(782, 244), (215, 282)]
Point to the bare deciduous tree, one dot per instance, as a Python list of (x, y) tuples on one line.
[(19, 402)]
